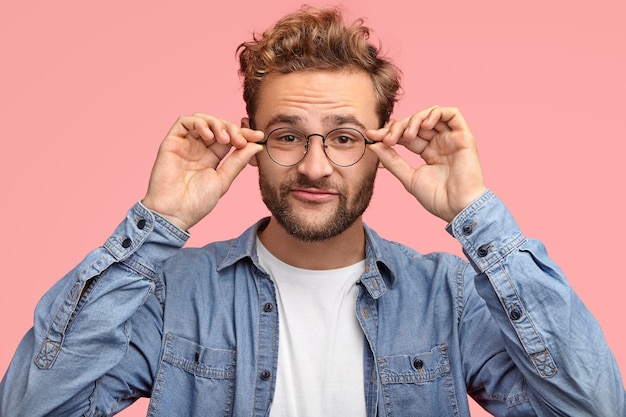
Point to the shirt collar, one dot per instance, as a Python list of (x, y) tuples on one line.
[(379, 268)]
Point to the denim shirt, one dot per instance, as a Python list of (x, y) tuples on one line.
[(196, 330)]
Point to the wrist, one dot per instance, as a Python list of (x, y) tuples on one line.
[(174, 220)]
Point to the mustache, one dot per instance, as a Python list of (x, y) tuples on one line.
[(304, 182)]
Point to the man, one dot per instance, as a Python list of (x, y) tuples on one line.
[(309, 312)]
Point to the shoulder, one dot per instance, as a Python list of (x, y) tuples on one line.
[(406, 261)]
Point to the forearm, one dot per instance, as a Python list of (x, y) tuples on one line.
[(82, 325), (554, 342)]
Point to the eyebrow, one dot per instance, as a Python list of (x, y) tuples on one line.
[(344, 119), (287, 119), (332, 121)]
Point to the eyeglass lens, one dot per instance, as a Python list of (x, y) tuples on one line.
[(288, 146)]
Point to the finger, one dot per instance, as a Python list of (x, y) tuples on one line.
[(394, 163), (252, 135), (415, 122), (210, 129), (415, 137), (408, 128), (213, 129), (395, 131), (429, 134), (182, 127), (219, 151), (451, 116), (440, 120), (234, 163), (194, 127), (377, 134), (241, 136), (225, 132), (389, 122)]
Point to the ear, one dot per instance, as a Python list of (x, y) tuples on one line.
[(245, 122)]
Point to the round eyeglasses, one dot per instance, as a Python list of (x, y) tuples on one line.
[(344, 147)]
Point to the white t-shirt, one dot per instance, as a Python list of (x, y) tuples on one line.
[(320, 342)]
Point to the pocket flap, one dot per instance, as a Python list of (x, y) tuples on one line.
[(417, 368), (199, 360)]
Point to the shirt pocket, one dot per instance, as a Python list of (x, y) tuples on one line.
[(194, 380), (420, 384)]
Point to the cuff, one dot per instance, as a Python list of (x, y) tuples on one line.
[(486, 230), (145, 233)]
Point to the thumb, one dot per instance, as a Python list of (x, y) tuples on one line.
[(234, 163), (394, 163)]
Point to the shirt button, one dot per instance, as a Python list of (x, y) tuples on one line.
[(418, 364), (483, 250), (265, 375), (141, 224), (268, 307), (126, 243), (515, 314), (468, 229)]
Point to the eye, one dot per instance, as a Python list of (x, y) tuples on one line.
[(286, 137), (344, 138)]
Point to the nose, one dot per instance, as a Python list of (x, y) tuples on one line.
[(315, 164)]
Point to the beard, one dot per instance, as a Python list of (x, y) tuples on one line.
[(349, 208)]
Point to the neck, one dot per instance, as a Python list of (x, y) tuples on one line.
[(342, 250)]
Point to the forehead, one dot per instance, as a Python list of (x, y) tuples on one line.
[(317, 98)]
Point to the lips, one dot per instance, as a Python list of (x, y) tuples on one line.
[(314, 195)]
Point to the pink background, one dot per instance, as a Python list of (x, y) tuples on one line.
[(87, 92)]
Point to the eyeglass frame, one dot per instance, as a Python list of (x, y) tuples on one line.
[(324, 146)]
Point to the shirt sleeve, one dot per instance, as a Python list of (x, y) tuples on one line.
[(540, 345), (83, 324)]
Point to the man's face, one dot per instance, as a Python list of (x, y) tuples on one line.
[(315, 199)]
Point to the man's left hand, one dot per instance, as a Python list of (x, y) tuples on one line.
[(451, 177)]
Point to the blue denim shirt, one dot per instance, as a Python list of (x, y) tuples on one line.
[(197, 329)]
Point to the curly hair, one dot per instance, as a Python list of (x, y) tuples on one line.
[(317, 39)]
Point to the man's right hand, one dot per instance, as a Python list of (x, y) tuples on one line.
[(194, 169)]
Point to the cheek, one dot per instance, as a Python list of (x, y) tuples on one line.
[(265, 165), (369, 164), (363, 176), (271, 173), (370, 156)]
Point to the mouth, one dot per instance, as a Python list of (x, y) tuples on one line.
[(314, 195)]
